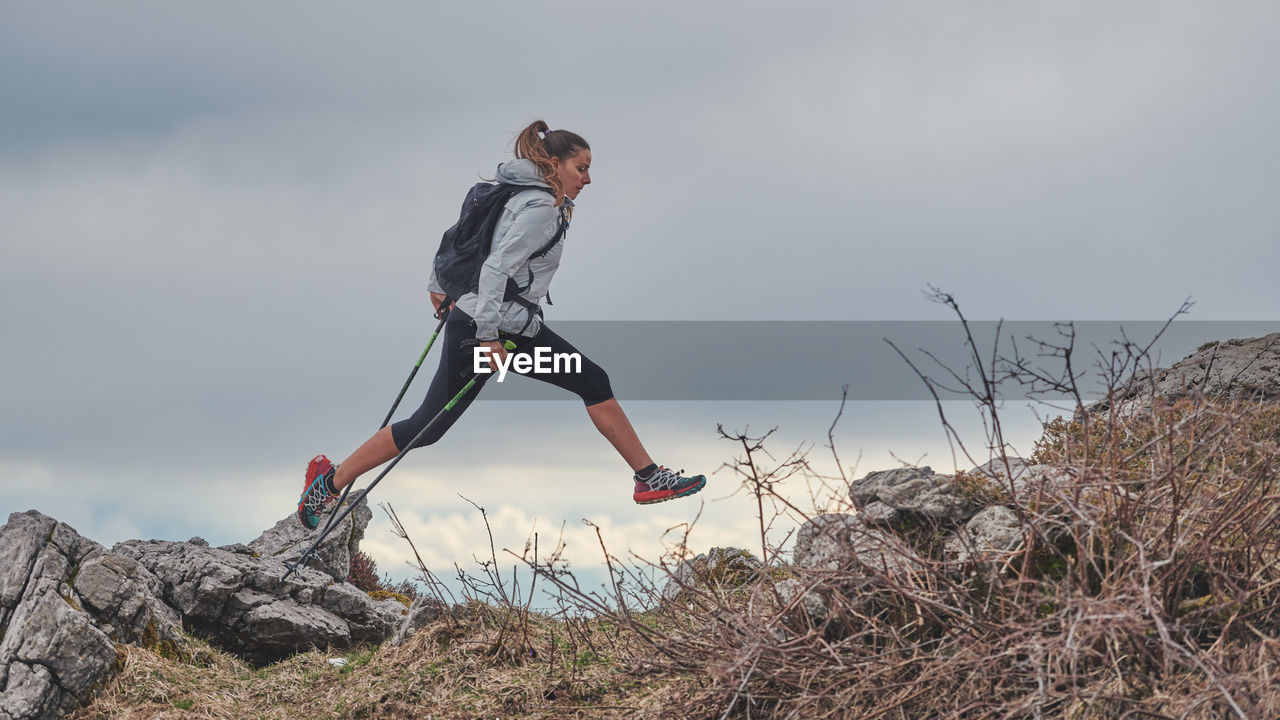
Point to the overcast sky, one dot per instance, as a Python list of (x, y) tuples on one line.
[(217, 223)]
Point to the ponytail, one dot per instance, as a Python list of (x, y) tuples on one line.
[(540, 143)]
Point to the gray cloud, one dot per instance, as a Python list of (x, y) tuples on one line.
[(216, 222)]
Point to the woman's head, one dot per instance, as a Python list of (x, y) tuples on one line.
[(563, 158)]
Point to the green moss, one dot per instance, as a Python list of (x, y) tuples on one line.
[(164, 647), (384, 594)]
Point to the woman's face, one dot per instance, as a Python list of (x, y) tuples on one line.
[(574, 173)]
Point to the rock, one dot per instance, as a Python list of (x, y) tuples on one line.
[(882, 484), (124, 597), (239, 549), (287, 540), (879, 514), (717, 569), (991, 533), (837, 558), (813, 607), (422, 612), (241, 604), (1240, 369), (914, 490), (838, 542), (64, 604), (998, 472), (1026, 478)]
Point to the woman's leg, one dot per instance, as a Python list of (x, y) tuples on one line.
[(376, 450), (451, 375), (653, 484), (592, 385), (612, 422)]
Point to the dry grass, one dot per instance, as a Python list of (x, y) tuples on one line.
[(467, 667)]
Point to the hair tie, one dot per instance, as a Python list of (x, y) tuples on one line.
[(545, 133)]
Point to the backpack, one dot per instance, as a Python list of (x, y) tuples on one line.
[(464, 247)]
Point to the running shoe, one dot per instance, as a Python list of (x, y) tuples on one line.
[(315, 491), (665, 485)]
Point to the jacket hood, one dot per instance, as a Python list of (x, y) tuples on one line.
[(521, 171)]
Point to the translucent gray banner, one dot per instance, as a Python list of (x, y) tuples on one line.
[(787, 360)]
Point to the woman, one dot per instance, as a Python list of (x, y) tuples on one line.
[(527, 244)]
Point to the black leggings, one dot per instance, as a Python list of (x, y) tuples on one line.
[(457, 367)]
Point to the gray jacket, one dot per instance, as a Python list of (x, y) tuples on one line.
[(528, 222)]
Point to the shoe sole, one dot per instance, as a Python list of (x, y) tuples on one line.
[(673, 496), (302, 509)]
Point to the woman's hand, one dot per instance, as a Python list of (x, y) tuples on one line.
[(496, 352), (436, 300)]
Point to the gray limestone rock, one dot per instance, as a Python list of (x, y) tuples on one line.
[(422, 612), (1024, 478), (993, 532), (880, 514), (811, 604), (242, 605), (997, 471), (717, 569), (125, 599), (913, 490), (842, 542), (1239, 369), (287, 540), (64, 604)]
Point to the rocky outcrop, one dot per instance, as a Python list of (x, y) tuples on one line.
[(241, 604), (67, 604), (1241, 369), (287, 540)]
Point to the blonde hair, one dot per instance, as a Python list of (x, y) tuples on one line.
[(540, 143)]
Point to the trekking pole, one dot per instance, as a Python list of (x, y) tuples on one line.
[(336, 518), (444, 315)]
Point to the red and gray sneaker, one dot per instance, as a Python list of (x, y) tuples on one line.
[(316, 491), (665, 485)]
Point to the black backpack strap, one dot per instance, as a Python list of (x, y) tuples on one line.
[(560, 233), (514, 292)]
